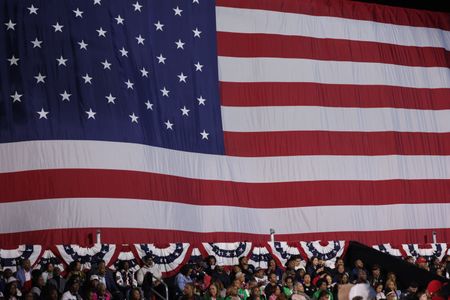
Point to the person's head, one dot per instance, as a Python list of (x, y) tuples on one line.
[(259, 273), (148, 260), (53, 294), (186, 270), (240, 277), (56, 271), (213, 290), (243, 261), (7, 273), (433, 288), (409, 259), (339, 261), (359, 264), (255, 292), (26, 265), (277, 290), (28, 296), (101, 268), (188, 289), (422, 263), (237, 283), (314, 261), (11, 288), (101, 288), (301, 273), (273, 278), (211, 260), (77, 265), (323, 295), (125, 265), (391, 294), (252, 283), (376, 272), (94, 280), (362, 275), (232, 291), (299, 288), (340, 269), (135, 294), (344, 278), (74, 285), (379, 288), (322, 284), (290, 264), (391, 276), (390, 285), (91, 295), (236, 269), (272, 263), (49, 267), (40, 282), (329, 279), (413, 287), (307, 278), (289, 282)]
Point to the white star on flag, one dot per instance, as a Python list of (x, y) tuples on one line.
[(169, 125), (42, 114), (159, 26), (16, 97), (61, 61), (184, 111), (91, 114), (182, 77), (144, 72), (119, 19), (101, 32), (137, 6), (78, 13), (177, 11), (40, 78), (36, 43), (149, 105), (123, 52), (83, 45), (180, 44), (201, 100), (106, 65), (10, 25), (58, 27), (129, 84), (13, 61), (111, 98), (165, 92), (196, 32), (33, 10), (198, 66), (87, 78), (140, 40), (161, 59), (65, 96), (204, 134), (134, 118)]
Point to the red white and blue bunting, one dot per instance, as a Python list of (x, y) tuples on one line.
[(388, 249), (128, 255), (167, 259), (227, 254), (328, 251), (49, 257), (260, 257), (428, 251), (196, 255), (11, 258), (87, 256), (283, 251)]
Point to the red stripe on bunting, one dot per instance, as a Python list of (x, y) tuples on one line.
[(333, 95), (350, 10), (288, 143), (272, 45), (80, 183)]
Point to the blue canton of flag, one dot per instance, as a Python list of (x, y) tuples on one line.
[(132, 71)]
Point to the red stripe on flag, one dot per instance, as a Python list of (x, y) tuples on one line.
[(349, 10), (81, 183), (289, 143), (271, 45), (86, 236), (333, 95)]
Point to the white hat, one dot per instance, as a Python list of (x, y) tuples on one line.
[(11, 279), (94, 277)]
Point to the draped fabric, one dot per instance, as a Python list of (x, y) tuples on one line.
[(221, 121), (170, 258)]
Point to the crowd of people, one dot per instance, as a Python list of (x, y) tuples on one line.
[(297, 280)]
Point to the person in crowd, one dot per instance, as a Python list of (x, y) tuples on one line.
[(255, 294), (48, 272), (219, 274), (410, 259), (106, 277), (12, 291), (150, 267), (75, 271), (232, 293), (271, 286), (73, 289), (247, 269), (51, 293), (37, 283), (322, 286), (379, 290), (102, 292), (299, 292), (362, 276), (125, 280), (422, 263), (189, 292), (376, 276), (260, 276), (276, 294), (288, 288), (213, 293), (183, 277), (24, 275), (391, 285), (310, 289), (57, 281), (313, 267), (210, 264), (411, 292), (135, 294), (359, 265), (273, 268), (338, 272), (7, 273)]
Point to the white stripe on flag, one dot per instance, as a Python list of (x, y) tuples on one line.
[(235, 69), (273, 22), (136, 157), (132, 213), (305, 118)]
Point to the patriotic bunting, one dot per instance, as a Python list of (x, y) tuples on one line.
[(227, 254), (87, 256), (428, 251), (328, 251), (282, 251), (260, 257), (10, 259), (388, 249), (49, 257), (169, 259), (128, 256), (196, 255)]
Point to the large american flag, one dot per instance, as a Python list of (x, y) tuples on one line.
[(195, 120)]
